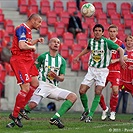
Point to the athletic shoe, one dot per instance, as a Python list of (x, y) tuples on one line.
[(88, 119), (10, 125), (84, 115), (112, 116), (104, 114), (16, 120), (56, 122), (23, 114)]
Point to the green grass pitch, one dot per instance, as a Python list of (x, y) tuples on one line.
[(39, 123)]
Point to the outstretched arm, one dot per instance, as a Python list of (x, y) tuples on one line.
[(85, 51)]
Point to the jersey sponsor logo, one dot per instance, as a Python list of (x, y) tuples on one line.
[(97, 55), (55, 69), (96, 58)]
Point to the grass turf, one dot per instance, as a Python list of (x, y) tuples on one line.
[(39, 123)]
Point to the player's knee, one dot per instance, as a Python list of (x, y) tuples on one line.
[(72, 97), (98, 92), (83, 89), (32, 105)]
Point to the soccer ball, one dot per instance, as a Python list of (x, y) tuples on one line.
[(87, 9)]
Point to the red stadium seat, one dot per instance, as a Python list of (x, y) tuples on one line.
[(128, 23), (58, 6), (1, 18), (90, 20), (68, 39), (59, 28), (106, 34), (23, 9), (122, 35), (85, 27), (10, 29), (32, 2), (102, 21), (44, 7), (111, 7), (128, 16), (8, 69), (51, 18), (101, 15), (64, 51), (98, 5), (125, 6), (71, 6), (76, 49), (44, 29), (82, 39), (51, 35), (84, 62), (34, 8), (115, 16), (22, 2), (64, 17), (75, 66)]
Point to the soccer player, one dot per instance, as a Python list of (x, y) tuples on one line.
[(51, 66), (23, 65), (127, 74), (100, 56), (113, 77)]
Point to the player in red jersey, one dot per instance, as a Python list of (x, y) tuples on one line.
[(22, 64), (113, 77), (127, 74)]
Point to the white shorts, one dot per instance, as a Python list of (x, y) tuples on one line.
[(47, 90), (96, 75)]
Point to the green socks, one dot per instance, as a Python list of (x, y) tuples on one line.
[(63, 109), (94, 105), (27, 108), (84, 100)]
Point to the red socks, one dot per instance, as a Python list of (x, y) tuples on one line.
[(20, 99), (102, 102), (29, 95), (113, 102)]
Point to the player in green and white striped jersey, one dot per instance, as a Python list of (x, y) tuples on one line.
[(51, 66), (47, 63), (100, 56)]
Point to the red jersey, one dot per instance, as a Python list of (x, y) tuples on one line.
[(127, 74), (22, 33), (115, 55), (22, 61)]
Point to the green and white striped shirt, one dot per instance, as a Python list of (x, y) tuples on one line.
[(100, 52), (46, 62)]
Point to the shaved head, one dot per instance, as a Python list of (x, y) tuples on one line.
[(34, 16)]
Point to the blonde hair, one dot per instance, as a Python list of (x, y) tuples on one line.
[(112, 26)]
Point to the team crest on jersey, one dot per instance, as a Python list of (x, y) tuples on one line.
[(97, 55)]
